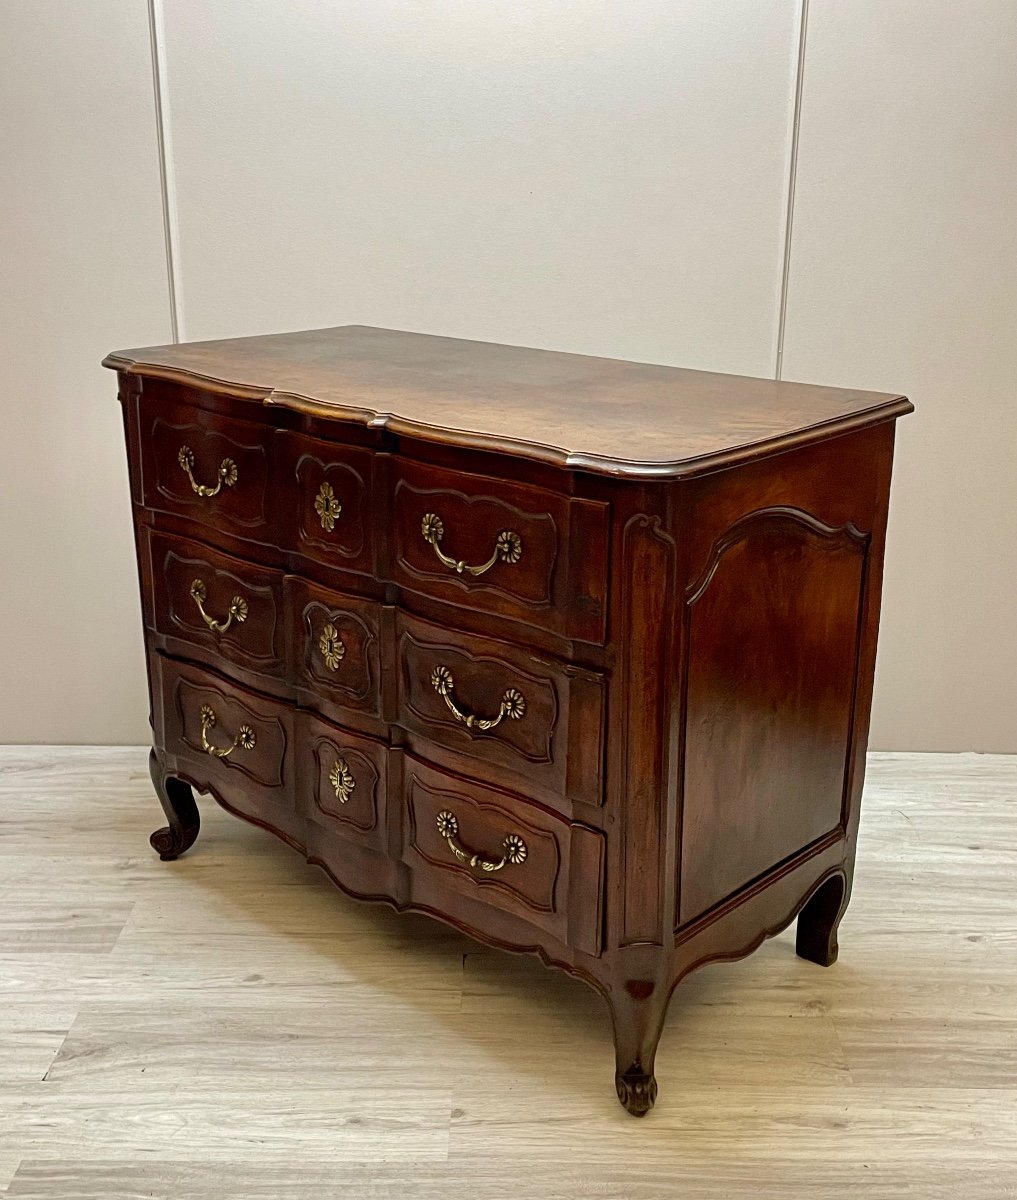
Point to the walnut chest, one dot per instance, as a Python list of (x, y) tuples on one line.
[(571, 653)]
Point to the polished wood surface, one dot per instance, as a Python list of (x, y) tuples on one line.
[(615, 722), (229, 1026), (605, 415)]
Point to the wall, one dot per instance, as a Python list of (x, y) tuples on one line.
[(82, 269), (606, 178), (904, 276), (602, 178)]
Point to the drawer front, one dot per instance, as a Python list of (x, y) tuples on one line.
[(206, 468), (343, 782), (223, 606), (521, 552), (503, 708), (336, 655), (329, 518), (232, 737), (503, 852)]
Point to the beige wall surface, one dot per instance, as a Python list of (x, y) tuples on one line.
[(904, 277), (604, 178), (82, 268)]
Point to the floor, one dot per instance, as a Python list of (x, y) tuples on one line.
[(231, 1026)]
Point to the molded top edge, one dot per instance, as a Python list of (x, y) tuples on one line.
[(601, 415)]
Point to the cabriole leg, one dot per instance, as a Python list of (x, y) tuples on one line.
[(637, 1013), (816, 938), (177, 802)]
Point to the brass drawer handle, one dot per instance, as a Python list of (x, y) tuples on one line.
[(238, 608), (227, 473), (342, 781), (513, 845), (513, 702), (327, 507), (245, 738), (508, 546), (333, 651)]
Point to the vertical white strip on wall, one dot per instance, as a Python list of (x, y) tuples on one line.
[(803, 25), (166, 176)]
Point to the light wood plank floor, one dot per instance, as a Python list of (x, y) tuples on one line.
[(231, 1026)]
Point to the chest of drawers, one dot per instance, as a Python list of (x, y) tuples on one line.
[(573, 654)]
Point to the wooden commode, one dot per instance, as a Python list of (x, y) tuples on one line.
[(571, 653)]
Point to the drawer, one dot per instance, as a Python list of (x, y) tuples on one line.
[(504, 853), (505, 548), (236, 742), (503, 708), (222, 606), (343, 780), (335, 651), (328, 519), (206, 468)]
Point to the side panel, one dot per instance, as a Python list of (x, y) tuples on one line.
[(773, 649), (779, 633)]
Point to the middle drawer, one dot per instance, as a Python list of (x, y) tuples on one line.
[(501, 706), (491, 709)]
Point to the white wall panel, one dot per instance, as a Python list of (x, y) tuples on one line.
[(82, 270), (607, 178), (904, 277)]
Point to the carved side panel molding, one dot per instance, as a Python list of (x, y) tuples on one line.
[(772, 623)]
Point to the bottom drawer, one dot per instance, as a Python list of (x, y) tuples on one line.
[(460, 838), (233, 741), (499, 865)]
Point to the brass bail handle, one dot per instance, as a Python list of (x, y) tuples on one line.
[(508, 547), (245, 739), (237, 609), (227, 475), (512, 706), (513, 846)]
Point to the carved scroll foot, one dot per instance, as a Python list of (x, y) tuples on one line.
[(637, 1012), (177, 802), (816, 937), (636, 1091)]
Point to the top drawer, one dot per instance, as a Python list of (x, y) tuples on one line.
[(505, 548), (206, 468)]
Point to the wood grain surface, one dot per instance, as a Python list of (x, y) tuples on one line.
[(231, 1026), (605, 415)]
